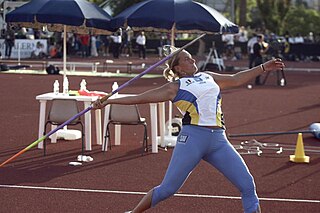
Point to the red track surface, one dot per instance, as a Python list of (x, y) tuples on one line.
[(122, 172)]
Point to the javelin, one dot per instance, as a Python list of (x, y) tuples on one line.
[(90, 107)]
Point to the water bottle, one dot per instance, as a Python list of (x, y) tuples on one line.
[(56, 87), (65, 86), (83, 85), (115, 87)]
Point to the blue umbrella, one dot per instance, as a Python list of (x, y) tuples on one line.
[(79, 16), (182, 16), (76, 16)]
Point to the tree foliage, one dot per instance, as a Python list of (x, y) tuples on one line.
[(272, 13), (118, 6), (302, 20)]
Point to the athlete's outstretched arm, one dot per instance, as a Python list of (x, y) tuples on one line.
[(164, 93), (226, 81)]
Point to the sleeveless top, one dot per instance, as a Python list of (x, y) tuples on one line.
[(199, 100)]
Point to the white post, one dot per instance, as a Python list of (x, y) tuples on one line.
[(19, 53), (170, 119), (162, 124), (64, 52)]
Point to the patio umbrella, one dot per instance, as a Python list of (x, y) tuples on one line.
[(76, 16), (176, 16)]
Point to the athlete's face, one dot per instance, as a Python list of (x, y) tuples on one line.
[(186, 63)]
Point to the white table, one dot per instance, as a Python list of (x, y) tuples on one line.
[(87, 100), (153, 120)]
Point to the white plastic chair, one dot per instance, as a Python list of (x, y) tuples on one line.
[(126, 115), (60, 111)]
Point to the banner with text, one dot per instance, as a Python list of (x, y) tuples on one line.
[(23, 47)]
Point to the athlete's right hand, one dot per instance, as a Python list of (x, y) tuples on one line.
[(101, 102)]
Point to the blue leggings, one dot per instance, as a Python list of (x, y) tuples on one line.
[(195, 143)]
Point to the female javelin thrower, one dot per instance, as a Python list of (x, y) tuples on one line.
[(198, 97)]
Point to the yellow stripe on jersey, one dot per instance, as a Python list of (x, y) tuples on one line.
[(219, 114), (186, 106)]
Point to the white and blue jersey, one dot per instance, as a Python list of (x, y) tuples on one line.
[(199, 100)]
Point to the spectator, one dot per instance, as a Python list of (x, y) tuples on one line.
[(21, 34), (286, 50), (317, 38), (85, 43), (105, 43), (141, 42), (55, 51), (242, 38), (77, 45), (228, 40), (116, 43), (310, 37), (94, 51), (163, 41), (275, 46), (259, 49), (299, 40), (250, 45), (9, 41), (126, 38), (38, 51)]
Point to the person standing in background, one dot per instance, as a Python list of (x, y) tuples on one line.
[(105, 43), (259, 49), (94, 51), (9, 41), (116, 43), (141, 42), (126, 42), (228, 40), (242, 38), (250, 44), (85, 44)]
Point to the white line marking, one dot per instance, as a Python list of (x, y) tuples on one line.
[(143, 193)]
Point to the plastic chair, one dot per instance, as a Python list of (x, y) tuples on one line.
[(60, 111), (126, 115)]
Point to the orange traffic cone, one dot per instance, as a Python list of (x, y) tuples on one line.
[(299, 156)]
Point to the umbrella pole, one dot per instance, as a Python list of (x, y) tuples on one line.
[(64, 52), (172, 33)]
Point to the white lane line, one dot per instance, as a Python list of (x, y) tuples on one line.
[(143, 193)]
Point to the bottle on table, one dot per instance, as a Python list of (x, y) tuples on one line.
[(66, 86), (56, 87), (83, 85), (115, 86)]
